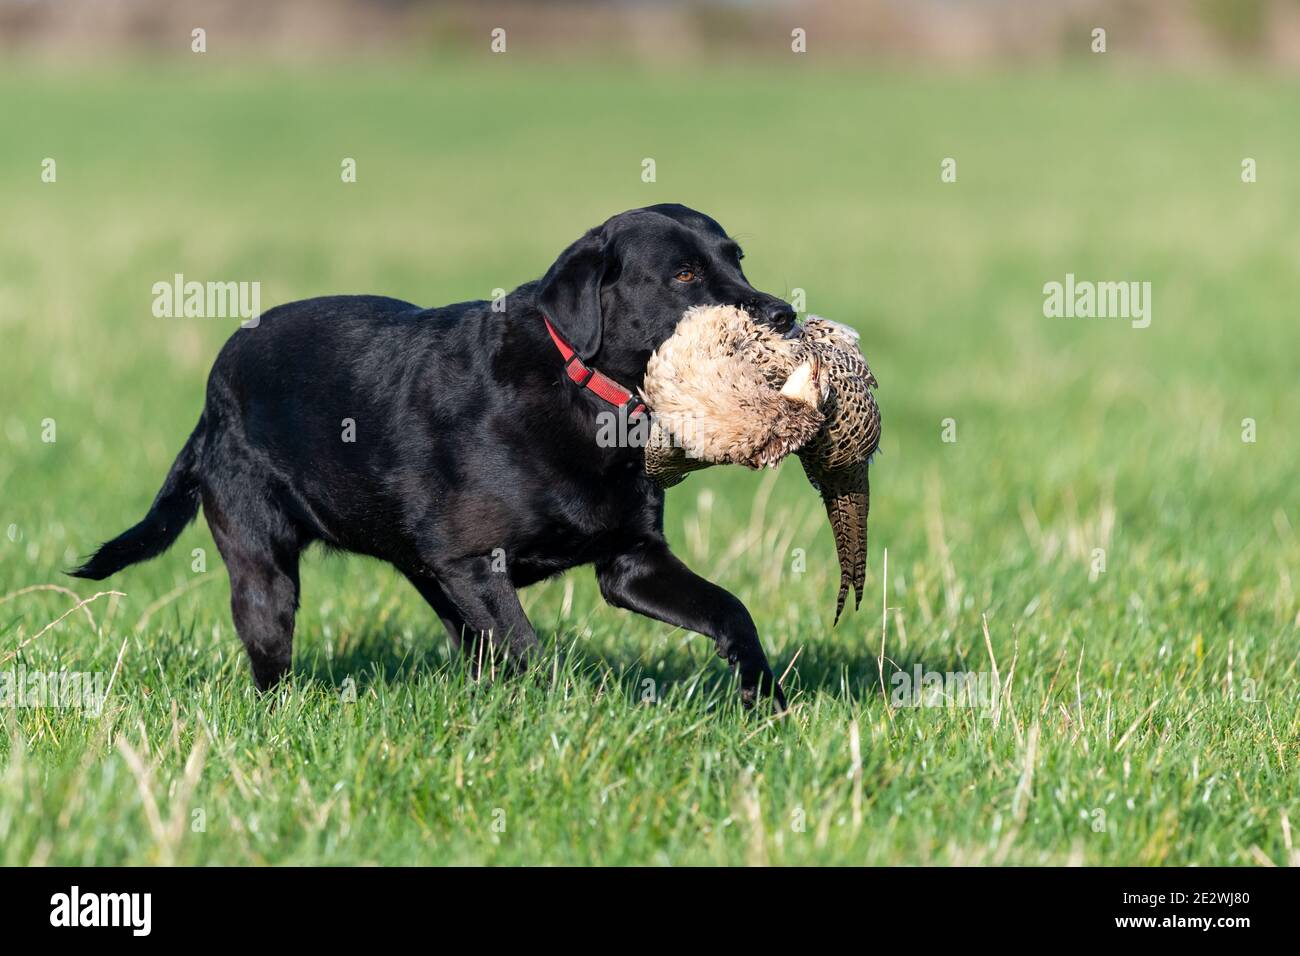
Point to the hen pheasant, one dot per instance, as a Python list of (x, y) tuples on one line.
[(725, 390)]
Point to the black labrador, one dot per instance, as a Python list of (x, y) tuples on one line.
[(459, 444)]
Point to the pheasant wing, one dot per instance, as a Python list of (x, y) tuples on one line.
[(836, 461)]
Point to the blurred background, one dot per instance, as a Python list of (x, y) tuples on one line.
[(815, 132), (973, 31)]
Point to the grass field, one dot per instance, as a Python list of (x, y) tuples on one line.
[(1149, 713)]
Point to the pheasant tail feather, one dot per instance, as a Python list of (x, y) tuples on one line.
[(846, 494)]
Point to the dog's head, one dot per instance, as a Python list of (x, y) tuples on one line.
[(618, 292)]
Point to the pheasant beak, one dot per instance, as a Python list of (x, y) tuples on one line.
[(809, 383)]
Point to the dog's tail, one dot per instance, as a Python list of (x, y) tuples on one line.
[(174, 508)]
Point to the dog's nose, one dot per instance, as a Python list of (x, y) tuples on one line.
[(779, 315)]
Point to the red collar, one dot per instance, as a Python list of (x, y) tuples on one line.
[(584, 376)]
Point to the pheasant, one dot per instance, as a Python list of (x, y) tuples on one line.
[(724, 390)]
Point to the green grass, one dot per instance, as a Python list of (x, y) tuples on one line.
[(1151, 713)]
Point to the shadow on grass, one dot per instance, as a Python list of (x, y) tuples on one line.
[(823, 668)]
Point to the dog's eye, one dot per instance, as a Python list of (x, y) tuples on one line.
[(686, 275)]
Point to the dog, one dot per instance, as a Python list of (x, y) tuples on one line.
[(459, 445)]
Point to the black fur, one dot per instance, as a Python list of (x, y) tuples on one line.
[(472, 449)]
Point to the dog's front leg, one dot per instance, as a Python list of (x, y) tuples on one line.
[(650, 580), (485, 600)]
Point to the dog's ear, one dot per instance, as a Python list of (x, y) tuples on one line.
[(569, 293)]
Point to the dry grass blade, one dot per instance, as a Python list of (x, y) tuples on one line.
[(1119, 745), (884, 621), (167, 833), (52, 587), (72, 610), (770, 722), (121, 652), (143, 773), (997, 681), (1022, 796), (789, 667)]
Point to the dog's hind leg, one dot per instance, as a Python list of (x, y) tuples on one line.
[(429, 588), (260, 546)]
